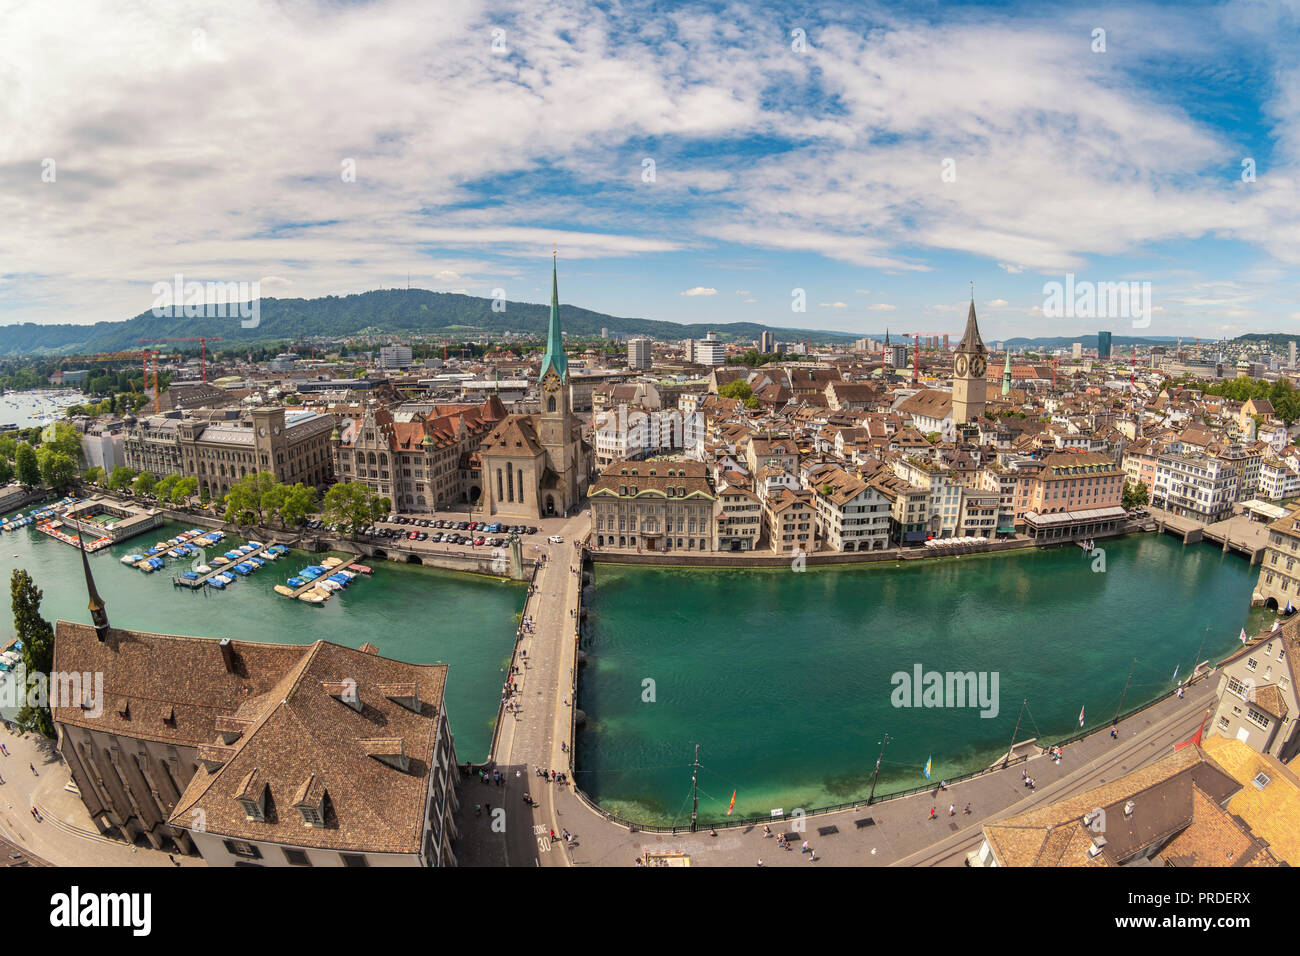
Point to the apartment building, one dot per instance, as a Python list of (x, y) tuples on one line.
[(1258, 702), (1201, 487), (790, 519), (739, 514), (850, 514)]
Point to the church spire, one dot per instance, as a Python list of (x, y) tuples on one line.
[(554, 357), (97, 613), (970, 340)]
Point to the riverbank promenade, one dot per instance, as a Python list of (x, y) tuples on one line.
[(900, 832)]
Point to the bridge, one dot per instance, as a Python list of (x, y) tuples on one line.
[(1239, 533)]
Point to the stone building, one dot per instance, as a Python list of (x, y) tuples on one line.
[(421, 465), (538, 465), (662, 504), (256, 754)]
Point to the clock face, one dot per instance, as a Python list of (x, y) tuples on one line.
[(960, 365), (551, 382), (977, 366), (276, 430)]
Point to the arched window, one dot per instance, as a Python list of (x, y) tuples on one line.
[(510, 481), (500, 496), (550, 404)]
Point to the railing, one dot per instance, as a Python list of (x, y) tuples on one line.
[(514, 656)]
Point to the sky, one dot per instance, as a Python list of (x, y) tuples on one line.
[(690, 162)]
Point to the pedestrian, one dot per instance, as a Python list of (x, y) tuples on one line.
[(767, 831), (552, 837), (967, 810), (760, 862), (952, 810), (33, 769), (564, 831), (804, 848), (934, 813), (1114, 734), (812, 855)]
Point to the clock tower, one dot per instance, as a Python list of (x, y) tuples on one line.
[(969, 367)]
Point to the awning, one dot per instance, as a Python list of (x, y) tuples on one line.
[(1007, 529)]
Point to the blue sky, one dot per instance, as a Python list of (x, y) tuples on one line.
[(215, 141)]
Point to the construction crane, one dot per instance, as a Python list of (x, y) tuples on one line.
[(203, 341), (916, 350)]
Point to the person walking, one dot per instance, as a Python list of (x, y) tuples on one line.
[(934, 813), (952, 810), (967, 810)]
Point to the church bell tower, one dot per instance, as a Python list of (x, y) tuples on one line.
[(969, 385)]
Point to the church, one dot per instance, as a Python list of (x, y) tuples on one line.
[(936, 410), (539, 465)]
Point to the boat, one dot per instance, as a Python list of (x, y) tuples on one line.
[(257, 562), (132, 558), (360, 569), (190, 576), (331, 562), (286, 591), (217, 583), (255, 545), (203, 569), (295, 582), (329, 585), (313, 596)]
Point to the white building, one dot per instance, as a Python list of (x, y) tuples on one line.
[(1195, 486), (639, 353), (709, 351), (395, 356)]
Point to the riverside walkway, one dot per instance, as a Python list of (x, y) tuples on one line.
[(900, 831)]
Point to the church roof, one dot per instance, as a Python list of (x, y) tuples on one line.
[(554, 357), (970, 340)]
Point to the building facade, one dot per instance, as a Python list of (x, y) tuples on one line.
[(661, 504)]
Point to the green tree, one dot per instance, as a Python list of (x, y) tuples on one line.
[(38, 648), (183, 490), (63, 437), (1135, 495), (93, 475), (163, 489), (299, 502), (58, 469), (739, 389), (351, 505), (120, 478), (244, 503), (144, 483), (29, 469)]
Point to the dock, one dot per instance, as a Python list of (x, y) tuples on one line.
[(315, 582), (226, 565)]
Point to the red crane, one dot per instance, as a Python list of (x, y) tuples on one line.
[(916, 350), (203, 341)]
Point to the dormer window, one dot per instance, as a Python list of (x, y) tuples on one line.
[(251, 796)]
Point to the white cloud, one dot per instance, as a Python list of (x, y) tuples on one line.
[(700, 290), (742, 292), (996, 303), (832, 305), (1008, 267), (882, 307)]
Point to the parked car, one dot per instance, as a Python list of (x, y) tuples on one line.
[(422, 536), (478, 542), (531, 531), (410, 536), (556, 539)]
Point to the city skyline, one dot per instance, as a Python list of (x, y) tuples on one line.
[(875, 160)]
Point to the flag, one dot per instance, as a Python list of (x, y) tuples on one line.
[(1243, 635), (733, 803), (1081, 709), (926, 771), (1276, 625), (1175, 677)]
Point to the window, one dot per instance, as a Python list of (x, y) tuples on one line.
[(241, 848), (296, 858), (353, 859)]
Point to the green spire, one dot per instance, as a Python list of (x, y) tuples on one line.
[(554, 357)]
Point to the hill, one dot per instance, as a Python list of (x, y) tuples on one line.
[(381, 312)]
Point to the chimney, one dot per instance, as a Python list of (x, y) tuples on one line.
[(227, 654)]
